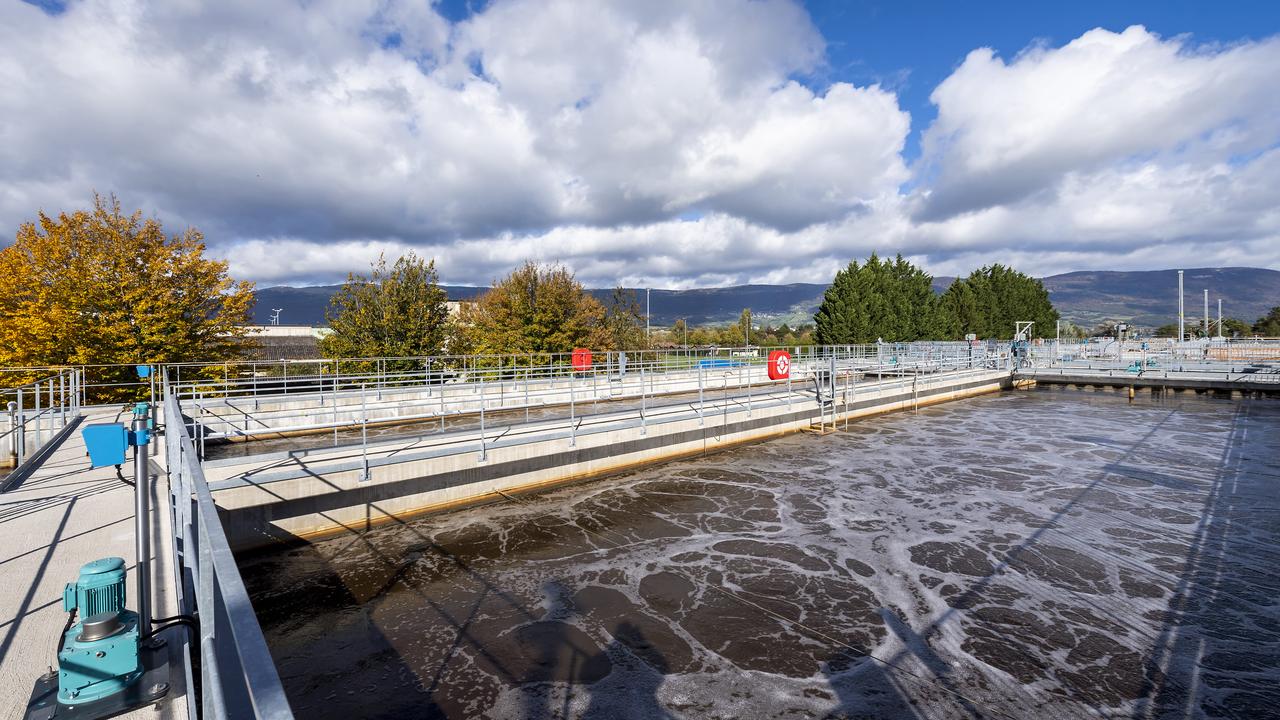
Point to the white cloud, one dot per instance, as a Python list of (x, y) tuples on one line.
[(667, 143), (1009, 131)]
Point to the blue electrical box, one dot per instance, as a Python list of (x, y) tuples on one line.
[(144, 371), (106, 443)]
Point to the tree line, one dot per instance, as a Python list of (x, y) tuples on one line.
[(100, 286), (894, 301)]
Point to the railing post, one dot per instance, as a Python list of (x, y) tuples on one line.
[(701, 405), (573, 429), (39, 421), (12, 409), (644, 429), (483, 449), (364, 435), (22, 434)]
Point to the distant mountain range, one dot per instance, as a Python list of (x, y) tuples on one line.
[(1144, 298)]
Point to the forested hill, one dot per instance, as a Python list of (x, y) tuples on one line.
[(1147, 298)]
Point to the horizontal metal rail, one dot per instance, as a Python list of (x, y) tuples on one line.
[(576, 402), (238, 678), (35, 413), (288, 465)]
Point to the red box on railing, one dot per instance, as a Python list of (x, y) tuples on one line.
[(581, 359), (779, 365)]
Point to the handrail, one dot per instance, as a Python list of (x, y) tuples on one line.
[(238, 678), (36, 413)]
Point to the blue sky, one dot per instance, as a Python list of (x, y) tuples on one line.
[(664, 142), (913, 46)]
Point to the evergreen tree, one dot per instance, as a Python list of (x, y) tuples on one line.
[(1268, 325), (880, 299), (991, 299), (744, 327)]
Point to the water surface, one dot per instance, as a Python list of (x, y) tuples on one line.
[(1038, 554)]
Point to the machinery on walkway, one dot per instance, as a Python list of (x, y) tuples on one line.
[(111, 660)]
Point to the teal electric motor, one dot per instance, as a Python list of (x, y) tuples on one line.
[(99, 654)]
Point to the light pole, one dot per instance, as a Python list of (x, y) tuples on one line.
[(1206, 313), (1182, 330), (646, 316)]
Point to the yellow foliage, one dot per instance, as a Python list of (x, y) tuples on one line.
[(99, 286)]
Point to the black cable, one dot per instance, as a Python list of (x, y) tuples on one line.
[(120, 476), (187, 620), (62, 636), (178, 618)]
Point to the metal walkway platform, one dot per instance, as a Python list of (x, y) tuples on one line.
[(61, 516), (1201, 380)]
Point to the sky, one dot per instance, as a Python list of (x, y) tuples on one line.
[(663, 143)]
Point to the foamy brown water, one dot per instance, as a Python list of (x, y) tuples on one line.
[(1032, 554)]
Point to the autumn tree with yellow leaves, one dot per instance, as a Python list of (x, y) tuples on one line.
[(99, 286)]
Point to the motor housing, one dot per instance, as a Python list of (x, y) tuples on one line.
[(100, 588)]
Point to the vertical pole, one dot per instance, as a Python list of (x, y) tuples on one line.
[(39, 435), (573, 431), (62, 398), (364, 434), (701, 406), (22, 434), (1206, 313), (482, 446), (1220, 333), (142, 517), (1182, 330), (12, 409), (644, 429)]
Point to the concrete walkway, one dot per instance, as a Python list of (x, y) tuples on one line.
[(61, 517)]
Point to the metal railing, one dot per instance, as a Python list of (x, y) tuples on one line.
[(35, 413), (101, 384), (1162, 353), (500, 399), (238, 677)]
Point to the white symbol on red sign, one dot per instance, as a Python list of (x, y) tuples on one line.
[(783, 363)]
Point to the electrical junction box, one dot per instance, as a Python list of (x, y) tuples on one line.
[(106, 443)]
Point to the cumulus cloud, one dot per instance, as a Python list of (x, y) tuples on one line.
[(663, 142)]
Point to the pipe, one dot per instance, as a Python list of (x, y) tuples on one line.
[(141, 513)]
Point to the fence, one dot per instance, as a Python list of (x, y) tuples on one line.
[(36, 413), (238, 678)]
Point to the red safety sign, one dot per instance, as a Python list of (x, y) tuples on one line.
[(779, 365), (581, 359)]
